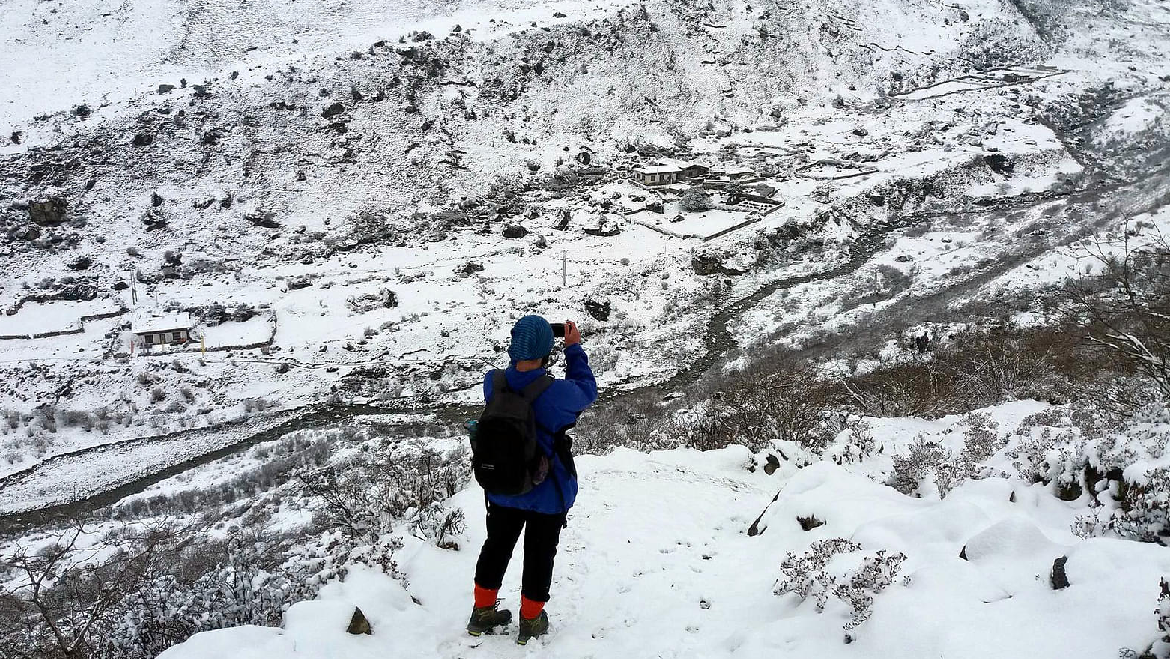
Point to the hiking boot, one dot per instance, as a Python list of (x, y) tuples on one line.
[(484, 619), (537, 626)]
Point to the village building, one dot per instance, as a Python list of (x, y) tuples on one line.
[(657, 174), (154, 329)]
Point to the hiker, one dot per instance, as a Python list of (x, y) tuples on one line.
[(550, 478)]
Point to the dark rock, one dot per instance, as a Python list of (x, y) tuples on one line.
[(963, 553), (470, 268), (143, 139), (655, 207), (165, 88), (358, 623), (809, 523), (266, 219), (201, 91), (82, 292), (860, 132), (27, 232), (771, 464), (153, 220), (515, 231), (156, 199), (333, 110), (48, 212), (999, 163), (876, 199), (82, 111), (283, 368), (226, 202), (599, 310), (211, 137), (81, 263), (297, 283), (1059, 578), (603, 231), (1068, 491), (16, 136), (301, 176), (121, 286), (709, 264)]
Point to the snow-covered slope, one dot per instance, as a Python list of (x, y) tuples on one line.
[(658, 561)]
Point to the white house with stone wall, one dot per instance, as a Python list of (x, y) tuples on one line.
[(156, 329)]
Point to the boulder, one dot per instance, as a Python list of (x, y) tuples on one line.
[(1058, 578), (48, 211), (515, 231), (266, 219), (599, 310), (999, 163)]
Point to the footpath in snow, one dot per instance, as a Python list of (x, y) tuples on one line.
[(657, 562)]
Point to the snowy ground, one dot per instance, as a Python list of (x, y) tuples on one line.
[(657, 561)]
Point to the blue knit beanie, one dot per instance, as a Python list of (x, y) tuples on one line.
[(532, 338)]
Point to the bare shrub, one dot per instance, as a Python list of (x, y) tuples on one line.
[(57, 597), (806, 576), (776, 399), (1126, 310)]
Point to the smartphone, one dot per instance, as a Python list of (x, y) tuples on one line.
[(558, 329)]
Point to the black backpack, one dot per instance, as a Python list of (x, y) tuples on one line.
[(505, 454)]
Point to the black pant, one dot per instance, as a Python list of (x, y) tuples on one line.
[(541, 534)]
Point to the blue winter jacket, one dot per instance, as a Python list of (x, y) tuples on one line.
[(556, 408)]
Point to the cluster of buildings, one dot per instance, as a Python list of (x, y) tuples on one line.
[(667, 171)]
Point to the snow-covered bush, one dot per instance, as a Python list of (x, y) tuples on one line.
[(369, 493), (924, 459), (695, 200), (808, 576), (1163, 614), (1144, 513)]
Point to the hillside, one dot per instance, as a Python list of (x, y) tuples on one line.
[(906, 265)]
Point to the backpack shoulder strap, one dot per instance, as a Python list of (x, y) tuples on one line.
[(499, 382), (536, 388)]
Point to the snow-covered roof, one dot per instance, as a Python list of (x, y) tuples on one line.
[(154, 321), (657, 169)]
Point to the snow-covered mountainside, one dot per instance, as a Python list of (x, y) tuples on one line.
[(348, 216), (255, 248)]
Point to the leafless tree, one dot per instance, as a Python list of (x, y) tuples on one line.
[(1127, 308), (55, 596)]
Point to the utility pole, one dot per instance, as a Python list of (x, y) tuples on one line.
[(564, 268)]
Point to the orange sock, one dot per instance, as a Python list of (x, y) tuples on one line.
[(530, 609), (484, 597)]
